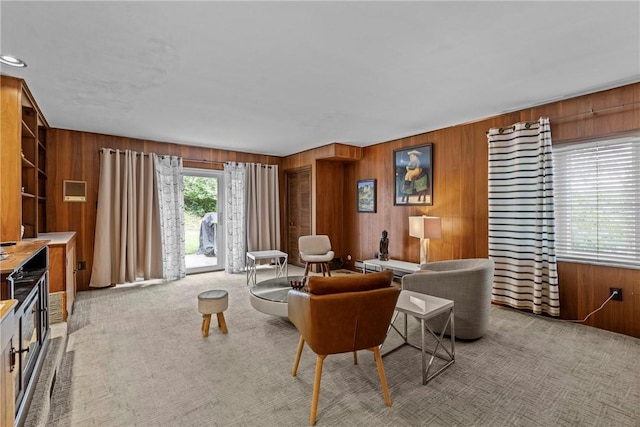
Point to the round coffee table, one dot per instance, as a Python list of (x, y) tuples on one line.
[(270, 296)]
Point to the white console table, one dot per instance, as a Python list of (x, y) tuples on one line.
[(399, 267)]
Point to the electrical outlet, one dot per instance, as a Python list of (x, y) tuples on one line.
[(618, 295), (82, 265)]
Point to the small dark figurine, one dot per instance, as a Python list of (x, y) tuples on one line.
[(384, 247), (298, 284)]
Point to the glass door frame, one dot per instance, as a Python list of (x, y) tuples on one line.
[(220, 234)]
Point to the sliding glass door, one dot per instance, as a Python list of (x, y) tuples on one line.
[(203, 222)]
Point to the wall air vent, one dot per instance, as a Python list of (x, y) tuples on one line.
[(75, 191)]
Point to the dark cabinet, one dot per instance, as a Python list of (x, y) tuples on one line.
[(30, 332), (27, 281)]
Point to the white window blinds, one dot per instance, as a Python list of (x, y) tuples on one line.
[(597, 201)]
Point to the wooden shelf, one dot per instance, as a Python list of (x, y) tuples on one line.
[(34, 177), (27, 163), (26, 132), (24, 145)]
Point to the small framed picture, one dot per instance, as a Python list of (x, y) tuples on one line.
[(367, 195), (413, 176)]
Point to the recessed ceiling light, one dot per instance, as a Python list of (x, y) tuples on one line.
[(13, 61)]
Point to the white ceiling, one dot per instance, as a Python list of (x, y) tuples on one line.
[(282, 77)]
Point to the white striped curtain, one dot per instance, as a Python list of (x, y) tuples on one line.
[(521, 217)]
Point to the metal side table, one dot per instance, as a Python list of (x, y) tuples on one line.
[(279, 257), (425, 307)]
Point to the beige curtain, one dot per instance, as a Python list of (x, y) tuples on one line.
[(263, 211), (128, 240)]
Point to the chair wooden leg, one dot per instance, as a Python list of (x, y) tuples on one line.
[(383, 378), (221, 323), (326, 266), (294, 371), (206, 322), (316, 389), (355, 357), (306, 269)]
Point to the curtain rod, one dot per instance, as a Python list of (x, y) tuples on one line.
[(594, 112), (111, 150), (527, 125), (217, 162), (564, 118)]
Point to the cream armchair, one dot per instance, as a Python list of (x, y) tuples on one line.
[(316, 249), (468, 282)]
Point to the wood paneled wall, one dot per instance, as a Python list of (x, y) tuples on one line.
[(332, 203), (73, 155), (329, 209), (583, 288), (460, 197)]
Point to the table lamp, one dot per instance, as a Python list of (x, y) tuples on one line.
[(425, 227)]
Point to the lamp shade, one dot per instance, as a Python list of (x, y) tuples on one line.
[(425, 227)]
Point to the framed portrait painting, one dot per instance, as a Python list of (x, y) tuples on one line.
[(413, 170), (367, 195)]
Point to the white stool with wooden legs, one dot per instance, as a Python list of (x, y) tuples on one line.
[(213, 302)]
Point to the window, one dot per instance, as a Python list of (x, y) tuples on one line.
[(597, 201)]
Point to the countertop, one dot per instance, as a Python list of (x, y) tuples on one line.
[(5, 306), (56, 238), (7, 322), (19, 253)]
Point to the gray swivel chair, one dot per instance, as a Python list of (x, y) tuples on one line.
[(468, 282)]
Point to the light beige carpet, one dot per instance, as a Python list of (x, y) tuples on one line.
[(135, 357)]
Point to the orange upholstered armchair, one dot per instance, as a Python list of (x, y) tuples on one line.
[(343, 314)]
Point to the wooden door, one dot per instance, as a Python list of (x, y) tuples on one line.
[(298, 193)]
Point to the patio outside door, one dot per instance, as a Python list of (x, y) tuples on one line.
[(203, 221)]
